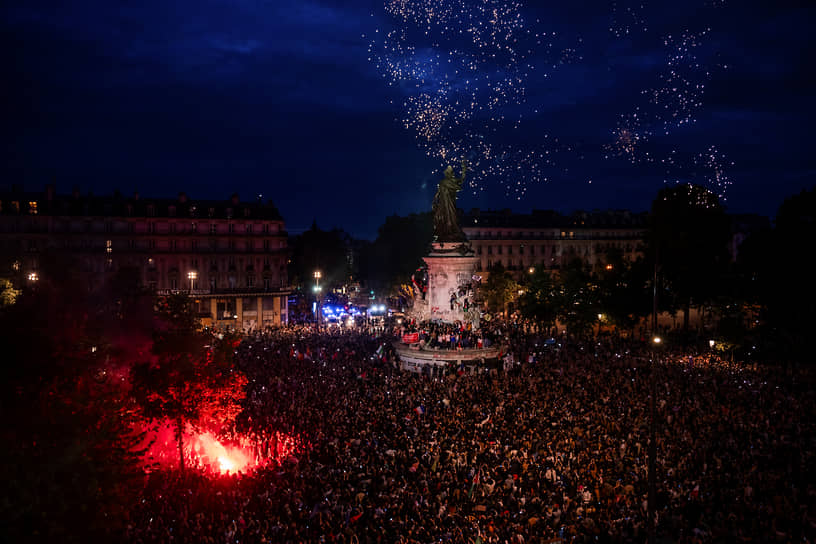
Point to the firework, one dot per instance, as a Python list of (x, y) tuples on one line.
[(462, 68)]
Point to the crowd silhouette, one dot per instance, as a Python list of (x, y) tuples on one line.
[(552, 448)]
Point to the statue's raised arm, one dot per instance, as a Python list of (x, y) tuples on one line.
[(446, 222)]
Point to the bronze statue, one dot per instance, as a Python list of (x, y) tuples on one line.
[(446, 221)]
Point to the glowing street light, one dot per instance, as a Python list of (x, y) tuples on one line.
[(317, 275), (192, 275), (531, 269), (657, 340), (33, 276)]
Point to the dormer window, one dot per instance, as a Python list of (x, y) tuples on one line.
[(229, 213), (193, 210), (246, 212), (151, 210), (171, 211)]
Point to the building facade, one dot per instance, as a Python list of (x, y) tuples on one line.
[(545, 238), (229, 256)]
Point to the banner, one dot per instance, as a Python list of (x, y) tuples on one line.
[(412, 338)]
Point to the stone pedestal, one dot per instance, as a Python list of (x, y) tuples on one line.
[(450, 268)]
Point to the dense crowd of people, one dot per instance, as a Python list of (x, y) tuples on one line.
[(553, 449)]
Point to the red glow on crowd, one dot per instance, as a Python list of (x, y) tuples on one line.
[(203, 450)]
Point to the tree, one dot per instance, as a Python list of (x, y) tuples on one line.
[(580, 297), (687, 243), (316, 249), (499, 289), (624, 296), (540, 301), (397, 251), (777, 270), (71, 460), (8, 294), (191, 380)]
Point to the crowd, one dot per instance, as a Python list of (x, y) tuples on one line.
[(440, 335), (552, 450)]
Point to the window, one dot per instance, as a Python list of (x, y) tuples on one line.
[(248, 228), (266, 245), (193, 227), (213, 228), (267, 283), (151, 228), (246, 212), (509, 250), (108, 246), (250, 281), (32, 207), (490, 250), (152, 244), (173, 283), (521, 249), (478, 250), (229, 213), (211, 212), (151, 210), (193, 211), (171, 211), (231, 228), (500, 250), (194, 245)]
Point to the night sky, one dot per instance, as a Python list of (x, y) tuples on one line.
[(284, 99)]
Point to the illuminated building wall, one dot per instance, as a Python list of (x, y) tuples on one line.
[(549, 239), (230, 256)]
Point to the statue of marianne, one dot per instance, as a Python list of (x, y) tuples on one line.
[(446, 222)]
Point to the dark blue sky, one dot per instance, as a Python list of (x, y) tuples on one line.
[(279, 98)]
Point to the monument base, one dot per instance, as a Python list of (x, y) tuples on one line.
[(433, 360), (450, 272)]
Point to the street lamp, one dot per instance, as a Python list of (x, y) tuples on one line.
[(711, 344), (531, 269), (317, 275), (656, 342), (192, 275), (33, 276)]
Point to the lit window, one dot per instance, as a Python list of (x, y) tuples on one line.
[(32, 207), (108, 246)]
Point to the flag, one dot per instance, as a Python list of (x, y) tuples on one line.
[(473, 485), (419, 410), (380, 350)]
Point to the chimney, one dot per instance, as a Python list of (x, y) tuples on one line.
[(135, 195), (182, 197), (235, 199), (49, 192), (75, 192)]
